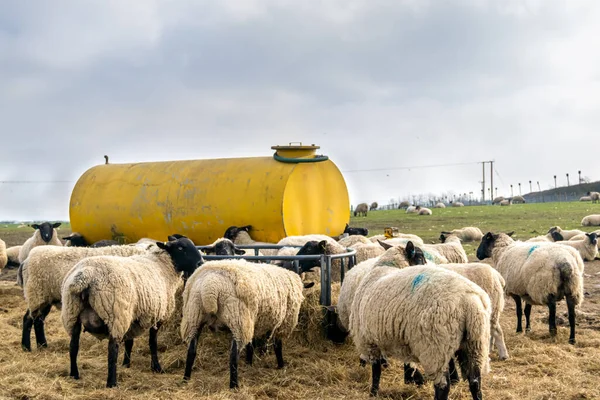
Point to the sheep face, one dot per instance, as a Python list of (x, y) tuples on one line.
[(224, 247), (311, 248), (46, 230), (443, 237), (593, 238), (556, 236), (175, 236), (487, 245), (414, 255), (184, 254), (232, 232), (356, 231), (76, 240)]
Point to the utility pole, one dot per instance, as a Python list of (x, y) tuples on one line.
[(555, 182), (511, 191), (539, 189), (530, 189), (496, 193), (492, 180), (579, 172), (519, 188), (483, 182), (568, 179)]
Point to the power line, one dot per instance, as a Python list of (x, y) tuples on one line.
[(413, 167), (21, 182)]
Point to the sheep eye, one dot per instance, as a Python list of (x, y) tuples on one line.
[(179, 248)]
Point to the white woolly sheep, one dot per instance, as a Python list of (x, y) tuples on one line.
[(401, 238), (566, 234), (505, 203), (439, 205), (3, 256), (440, 253), (466, 234), (411, 210), (432, 254), (591, 220), (493, 284), (41, 276), (517, 200), (595, 196), (12, 255), (542, 238), (220, 247), (241, 236), (585, 198), (458, 204), (252, 300), (361, 210), (45, 234), (366, 251), (422, 314), (539, 273), (581, 236), (424, 211), (120, 297), (587, 248), (498, 200), (354, 239)]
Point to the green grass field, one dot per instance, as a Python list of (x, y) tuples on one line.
[(527, 220)]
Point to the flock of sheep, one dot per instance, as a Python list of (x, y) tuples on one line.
[(425, 304)]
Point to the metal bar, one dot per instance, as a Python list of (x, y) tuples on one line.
[(296, 264), (342, 270)]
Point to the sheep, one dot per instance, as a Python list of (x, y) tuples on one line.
[(411, 210), (458, 204), (566, 234), (120, 297), (585, 198), (361, 209), (373, 206), (241, 236), (252, 300), (356, 231), (587, 248), (432, 254), (399, 237), (439, 205), (45, 234), (422, 314), (12, 254), (41, 277), (591, 220), (595, 196), (542, 238), (466, 234), (76, 239), (505, 203), (352, 240), (424, 211), (493, 284), (367, 251), (3, 256), (441, 253), (540, 273), (404, 204), (220, 247), (498, 200), (576, 237), (517, 200)]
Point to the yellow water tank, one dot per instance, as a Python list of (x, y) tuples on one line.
[(294, 192)]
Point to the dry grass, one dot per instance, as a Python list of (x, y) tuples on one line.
[(539, 368)]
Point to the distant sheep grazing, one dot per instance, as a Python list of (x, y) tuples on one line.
[(498, 200), (45, 234), (585, 198), (439, 205), (374, 206), (356, 231), (591, 220), (412, 210), (424, 211), (517, 200), (539, 273), (120, 297), (505, 202), (361, 210), (466, 234), (458, 204), (404, 204), (595, 196)]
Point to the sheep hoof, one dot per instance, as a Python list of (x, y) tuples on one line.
[(111, 384), (572, 341), (504, 358), (157, 368), (553, 332), (25, 348), (42, 345)]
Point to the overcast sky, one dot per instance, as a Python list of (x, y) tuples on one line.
[(375, 83)]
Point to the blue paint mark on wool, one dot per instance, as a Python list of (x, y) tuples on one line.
[(429, 256), (531, 250), (417, 281)]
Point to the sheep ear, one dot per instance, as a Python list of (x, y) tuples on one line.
[(56, 224), (309, 285), (239, 252), (410, 249), (171, 238), (35, 226), (511, 233), (489, 236), (162, 245), (386, 246), (246, 228), (323, 244)]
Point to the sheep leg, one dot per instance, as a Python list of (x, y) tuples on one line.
[(454, 378), (113, 355), (74, 349), (278, 346), (475, 383), (527, 314), (26, 335), (571, 308), (233, 365), (376, 376), (127, 355), (154, 365), (498, 336), (552, 314), (38, 326), (519, 312), (191, 356), (442, 392), (250, 353), (412, 375)]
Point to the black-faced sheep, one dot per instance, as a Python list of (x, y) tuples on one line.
[(77, 240), (45, 234), (356, 231), (587, 247)]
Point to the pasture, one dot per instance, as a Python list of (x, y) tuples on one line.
[(540, 367)]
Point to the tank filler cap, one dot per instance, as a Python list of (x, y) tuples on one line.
[(296, 152)]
